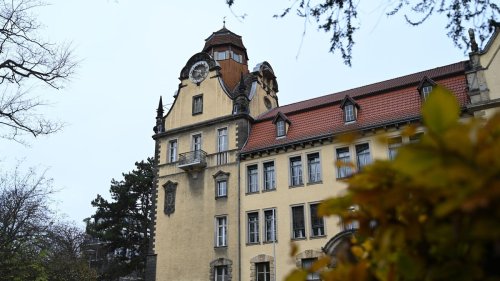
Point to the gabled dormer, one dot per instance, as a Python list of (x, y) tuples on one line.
[(282, 123), (349, 109), (425, 87)]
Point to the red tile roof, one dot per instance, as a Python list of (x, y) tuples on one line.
[(223, 37), (381, 103)]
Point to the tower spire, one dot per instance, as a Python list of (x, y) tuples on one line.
[(159, 111), (159, 118)]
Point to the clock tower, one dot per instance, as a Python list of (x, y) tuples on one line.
[(196, 231)]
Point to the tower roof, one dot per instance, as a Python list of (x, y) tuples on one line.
[(224, 37)]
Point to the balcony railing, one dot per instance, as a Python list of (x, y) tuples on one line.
[(192, 160)]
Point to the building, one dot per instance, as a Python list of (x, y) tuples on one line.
[(239, 177)]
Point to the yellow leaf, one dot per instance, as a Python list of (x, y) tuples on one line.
[(297, 275), (441, 110)]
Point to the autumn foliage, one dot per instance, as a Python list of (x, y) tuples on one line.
[(433, 213)]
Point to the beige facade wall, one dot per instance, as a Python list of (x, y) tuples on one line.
[(284, 197), (491, 62)]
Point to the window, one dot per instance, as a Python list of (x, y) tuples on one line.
[(298, 223), (220, 55), (221, 231), (222, 143), (426, 90), (197, 104), (349, 114), (394, 144), (253, 179), (351, 224), (362, 155), (253, 227), (313, 166), (280, 128), (307, 264), (295, 171), (270, 225), (343, 160), (317, 223), (221, 188), (269, 176), (172, 151), (221, 273), (263, 272), (196, 147), (236, 57)]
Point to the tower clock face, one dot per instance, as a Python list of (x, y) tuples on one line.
[(199, 71)]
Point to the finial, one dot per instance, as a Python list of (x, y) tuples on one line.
[(473, 44), (224, 22), (159, 111)]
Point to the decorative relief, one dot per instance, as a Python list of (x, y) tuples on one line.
[(170, 190)]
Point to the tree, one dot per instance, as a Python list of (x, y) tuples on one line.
[(433, 212), (26, 57), (339, 17), (124, 222), (33, 244)]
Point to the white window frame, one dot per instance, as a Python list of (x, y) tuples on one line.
[(224, 276), (367, 158), (172, 151), (349, 113), (267, 271), (197, 104), (221, 186), (269, 176), (393, 145), (268, 229), (311, 219), (221, 231), (280, 128), (222, 139), (306, 264), (343, 171), (296, 171), (426, 90), (314, 176), (253, 237), (299, 233), (253, 178)]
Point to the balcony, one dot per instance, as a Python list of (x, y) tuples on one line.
[(193, 160)]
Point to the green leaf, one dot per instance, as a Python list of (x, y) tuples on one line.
[(441, 110)]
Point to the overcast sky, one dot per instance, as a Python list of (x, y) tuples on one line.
[(132, 52)]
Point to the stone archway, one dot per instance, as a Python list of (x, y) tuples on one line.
[(259, 259)]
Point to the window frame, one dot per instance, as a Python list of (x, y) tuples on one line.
[(274, 224), (313, 217), (218, 184), (317, 178), (252, 179), (349, 112), (172, 155), (222, 139), (298, 227), (343, 171), (253, 237), (296, 172), (221, 231), (197, 104), (426, 91), (225, 273), (314, 276), (393, 145), (280, 128), (266, 272), (269, 176), (361, 163)]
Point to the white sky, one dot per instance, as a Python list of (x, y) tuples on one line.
[(132, 52)]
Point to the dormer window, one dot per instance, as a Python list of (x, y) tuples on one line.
[(350, 109), (280, 128), (425, 87), (349, 115), (220, 55), (282, 123)]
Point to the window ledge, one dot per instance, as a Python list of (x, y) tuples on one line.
[(220, 247), (270, 242), (315, 182), (220, 197), (269, 190), (350, 122), (253, 243), (197, 113), (318, 236), (294, 186), (253, 192), (298, 238)]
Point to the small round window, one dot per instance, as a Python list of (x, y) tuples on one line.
[(267, 103)]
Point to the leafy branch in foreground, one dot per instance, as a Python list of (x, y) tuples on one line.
[(433, 212)]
